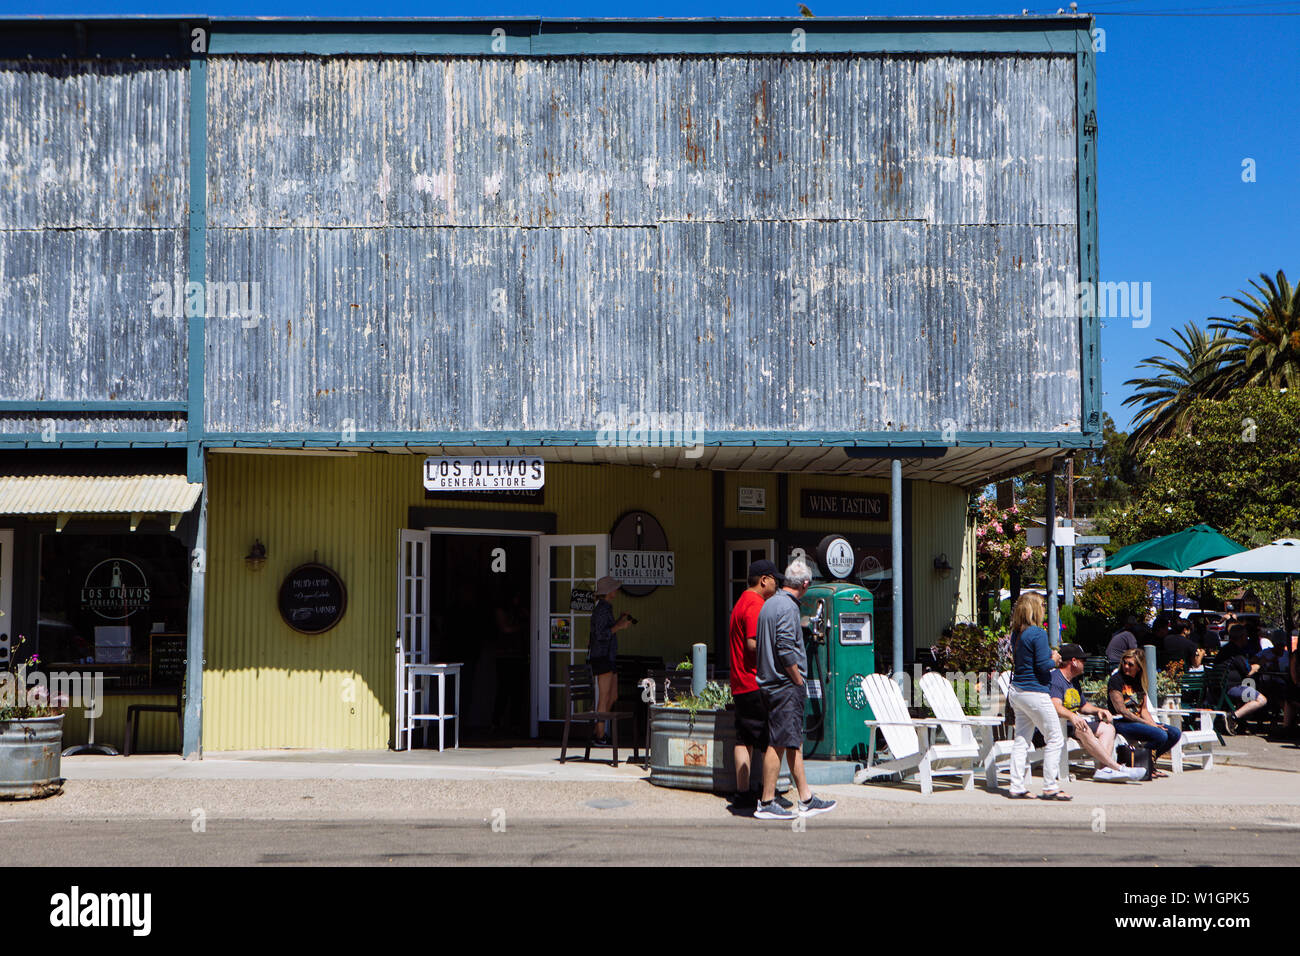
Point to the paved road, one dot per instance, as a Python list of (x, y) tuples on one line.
[(534, 842)]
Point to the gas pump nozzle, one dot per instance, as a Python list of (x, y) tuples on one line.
[(817, 623)]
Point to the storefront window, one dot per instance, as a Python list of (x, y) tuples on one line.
[(119, 602)]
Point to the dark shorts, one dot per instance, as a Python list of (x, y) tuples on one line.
[(601, 665), (784, 706), (1092, 722), (751, 720)]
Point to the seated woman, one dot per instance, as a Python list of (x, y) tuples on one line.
[(1127, 693)]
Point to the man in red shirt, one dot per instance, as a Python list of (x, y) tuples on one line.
[(751, 716)]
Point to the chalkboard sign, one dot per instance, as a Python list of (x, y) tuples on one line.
[(312, 599), (582, 601), (166, 660)]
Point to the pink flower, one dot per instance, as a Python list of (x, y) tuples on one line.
[(1026, 554), (979, 532), (997, 527)]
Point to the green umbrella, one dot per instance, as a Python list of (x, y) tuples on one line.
[(1178, 551)]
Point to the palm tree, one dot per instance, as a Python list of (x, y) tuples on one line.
[(1263, 345), (1165, 401)]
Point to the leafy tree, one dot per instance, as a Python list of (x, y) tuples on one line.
[(1237, 468), (1108, 476)]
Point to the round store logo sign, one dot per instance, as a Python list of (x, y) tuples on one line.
[(839, 558), (115, 589)]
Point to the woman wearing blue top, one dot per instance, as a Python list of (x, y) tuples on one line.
[(1030, 698)]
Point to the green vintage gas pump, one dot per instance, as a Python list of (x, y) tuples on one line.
[(840, 640)]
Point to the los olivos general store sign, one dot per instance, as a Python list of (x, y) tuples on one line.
[(497, 473)]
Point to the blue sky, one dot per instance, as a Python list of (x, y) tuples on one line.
[(1182, 101)]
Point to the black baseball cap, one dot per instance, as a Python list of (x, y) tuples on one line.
[(1072, 650), (759, 568)]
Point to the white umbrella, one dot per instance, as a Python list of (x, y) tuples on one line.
[(1273, 562), (1279, 561)]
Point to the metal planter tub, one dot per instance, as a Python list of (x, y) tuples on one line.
[(695, 752), (29, 757)]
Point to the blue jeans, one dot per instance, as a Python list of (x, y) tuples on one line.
[(1161, 739)]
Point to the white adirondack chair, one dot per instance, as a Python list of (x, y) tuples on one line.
[(1200, 739), (957, 726), (912, 750)]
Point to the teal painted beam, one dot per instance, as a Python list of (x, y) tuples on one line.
[(116, 406), (192, 718), (533, 439), (196, 253), (533, 37), (97, 440), (1089, 267)]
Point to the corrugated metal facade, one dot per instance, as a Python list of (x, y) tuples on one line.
[(93, 202), (853, 243)]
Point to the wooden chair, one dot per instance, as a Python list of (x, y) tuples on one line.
[(1097, 668), (134, 711), (581, 690)]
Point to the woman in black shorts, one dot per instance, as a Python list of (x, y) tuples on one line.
[(602, 650)]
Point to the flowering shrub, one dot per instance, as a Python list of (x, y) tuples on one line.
[(1000, 545)]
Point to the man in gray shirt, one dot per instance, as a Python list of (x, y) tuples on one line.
[(782, 676), (1122, 641)]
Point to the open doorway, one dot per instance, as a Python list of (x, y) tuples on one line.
[(480, 604)]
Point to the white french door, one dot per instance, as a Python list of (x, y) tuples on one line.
[(6, 595), (412, 622), (565, 563), (740, 554)]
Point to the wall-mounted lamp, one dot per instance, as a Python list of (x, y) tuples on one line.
[(256, 556), (942, 567)]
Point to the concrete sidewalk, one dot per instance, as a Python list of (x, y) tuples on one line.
[(471, 784)]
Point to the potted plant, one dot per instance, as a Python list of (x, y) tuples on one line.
[(31, 734), (692, 740)]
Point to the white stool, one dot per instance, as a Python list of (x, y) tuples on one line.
[(441, 671)]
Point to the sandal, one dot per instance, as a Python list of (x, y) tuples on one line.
[(1057, 795), (1022, 796), (1155, 774)]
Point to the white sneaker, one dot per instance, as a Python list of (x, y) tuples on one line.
[(1136, 774), (1107, 775)]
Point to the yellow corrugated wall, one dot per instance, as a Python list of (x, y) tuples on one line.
[(158, 733), (939, 527), (267, 686)]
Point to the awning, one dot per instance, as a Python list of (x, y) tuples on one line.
[(77, 495)]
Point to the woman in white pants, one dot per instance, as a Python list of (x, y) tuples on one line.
[(1030, 698)]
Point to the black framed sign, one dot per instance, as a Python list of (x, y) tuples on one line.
[(863, 505), (312, 599)]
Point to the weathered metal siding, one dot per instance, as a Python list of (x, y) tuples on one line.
[(689, 207), (637, 141), (93, 200), (268, 686)]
